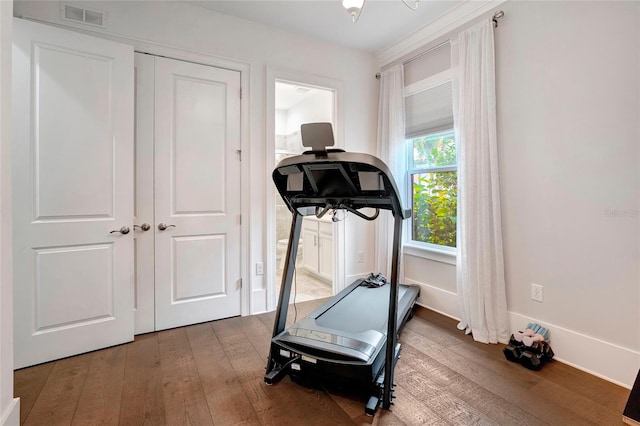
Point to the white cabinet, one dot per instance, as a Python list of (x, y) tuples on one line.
[(310, 244), (325, 251), (317, 237)]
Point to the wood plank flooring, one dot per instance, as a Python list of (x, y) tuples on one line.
[(212, 374)]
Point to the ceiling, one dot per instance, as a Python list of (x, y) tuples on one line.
[(382, 23), (288, 94)]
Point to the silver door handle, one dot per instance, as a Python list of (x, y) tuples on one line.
[(163, 226), (124, 230), (144, 226)]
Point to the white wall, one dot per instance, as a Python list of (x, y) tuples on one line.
[(568, 106), (186, 26), (9, 407), (314, 109), (568, 109), (281, 121), (568, 126)]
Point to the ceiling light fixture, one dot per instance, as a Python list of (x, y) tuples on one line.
[(354, 7)]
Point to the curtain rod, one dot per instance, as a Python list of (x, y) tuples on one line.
[(497, 17)]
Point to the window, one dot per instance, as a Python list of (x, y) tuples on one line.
[(434, 180), (431, 154)]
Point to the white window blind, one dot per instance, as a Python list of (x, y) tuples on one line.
[(428, 64), (429, 111)]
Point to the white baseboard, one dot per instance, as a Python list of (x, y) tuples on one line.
[(602, 359), (436, 299), (259, 301), (11, 416), (351, 278)]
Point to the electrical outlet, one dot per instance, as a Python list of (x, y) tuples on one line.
[(360, 257), (536, 292), (259, 268)]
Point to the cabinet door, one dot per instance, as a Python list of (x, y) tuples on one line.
[(73, 193), (310, 251), (325, 258), (325, 251)]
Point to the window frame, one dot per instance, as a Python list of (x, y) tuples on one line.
[(436, 252)]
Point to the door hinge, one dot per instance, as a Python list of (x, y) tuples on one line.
[(239, 219), (240, 282), (239, 152), (241, 93)]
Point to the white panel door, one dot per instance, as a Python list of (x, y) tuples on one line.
[(72, 186), (197, 193), (144, 234)]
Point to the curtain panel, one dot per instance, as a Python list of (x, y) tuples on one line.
[(480, 263), (391, 149)]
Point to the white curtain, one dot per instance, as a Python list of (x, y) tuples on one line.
[(480, 265), (391, 122)]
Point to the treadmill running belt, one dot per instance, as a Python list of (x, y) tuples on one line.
[(365, 308)]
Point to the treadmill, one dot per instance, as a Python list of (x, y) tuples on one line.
[(352, 339)]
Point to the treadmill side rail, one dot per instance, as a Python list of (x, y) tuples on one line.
[(285, 287), (392, 333)]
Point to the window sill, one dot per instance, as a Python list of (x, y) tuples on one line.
[(431, 252)]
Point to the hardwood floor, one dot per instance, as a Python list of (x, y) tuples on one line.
[(212, 374)]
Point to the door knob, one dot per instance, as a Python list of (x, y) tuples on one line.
[(144, 226), (163, 226), (124, 230)]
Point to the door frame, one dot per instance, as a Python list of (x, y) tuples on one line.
[(244, 68), (274, 74)]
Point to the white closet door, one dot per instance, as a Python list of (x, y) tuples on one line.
[(72, 186), (197, 193), (143, 212)]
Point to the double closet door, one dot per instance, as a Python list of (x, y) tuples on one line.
[(126, 183)]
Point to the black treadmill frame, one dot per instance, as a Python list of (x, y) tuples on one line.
[(301, 204)]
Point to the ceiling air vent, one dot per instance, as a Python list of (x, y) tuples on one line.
[(84, 16)]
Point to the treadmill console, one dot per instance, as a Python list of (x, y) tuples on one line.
[(330, 179)]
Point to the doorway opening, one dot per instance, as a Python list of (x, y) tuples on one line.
[(296, 104)]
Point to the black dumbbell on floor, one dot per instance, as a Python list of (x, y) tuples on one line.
[(528, 352)]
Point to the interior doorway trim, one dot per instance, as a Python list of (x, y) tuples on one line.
[(336, 86)]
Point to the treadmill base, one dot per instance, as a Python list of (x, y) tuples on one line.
[(308, 363)]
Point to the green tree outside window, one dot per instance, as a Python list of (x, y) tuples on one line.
[(435, 189)]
